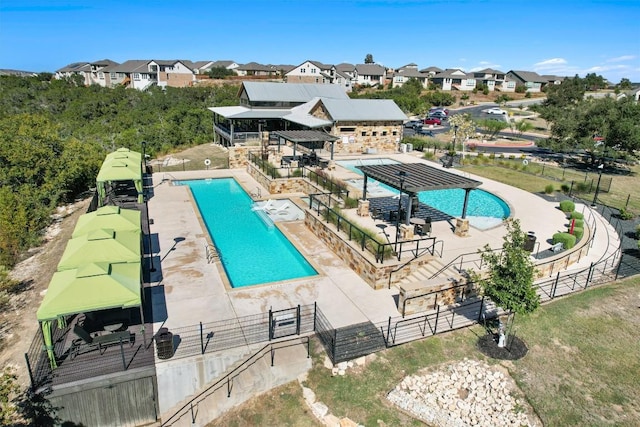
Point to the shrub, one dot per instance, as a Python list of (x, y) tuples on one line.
[(350, 203), (638, 232), (577, 223), (582, 187), (428, 155), (576, 215), (549, 189), (568, 240), (567, 206), (578, 232), (565, 188), (626, 214)]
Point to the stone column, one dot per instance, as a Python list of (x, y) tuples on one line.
[(462, 227), (363, 207)]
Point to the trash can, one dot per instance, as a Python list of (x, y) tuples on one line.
[(530, 242), (409, 147), (403, 148), (164, 343)]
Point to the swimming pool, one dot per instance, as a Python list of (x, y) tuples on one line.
[(484, 209), (251, 250)]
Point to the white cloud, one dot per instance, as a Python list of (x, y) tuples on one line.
[(550, 63), (622, 58), (484, 64)]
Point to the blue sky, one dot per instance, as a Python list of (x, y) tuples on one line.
[(563, 37)]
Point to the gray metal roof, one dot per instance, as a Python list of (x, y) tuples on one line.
[(370, 70), (132, 66), (363, 110), (420, 177), (291, 92), (528, 76), (302, 136)]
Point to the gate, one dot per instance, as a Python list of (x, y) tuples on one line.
[(284, 323)]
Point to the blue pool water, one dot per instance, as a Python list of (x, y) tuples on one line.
[(252, 251), (481, 203)]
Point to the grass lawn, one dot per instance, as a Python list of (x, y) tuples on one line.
[(582, 369), (535, 178)]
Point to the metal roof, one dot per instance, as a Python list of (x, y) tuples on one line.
[(239, 112), (363, 110), (291, 92), (302, 136), (420, 177)]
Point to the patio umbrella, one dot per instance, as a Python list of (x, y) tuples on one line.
[(119, 170)]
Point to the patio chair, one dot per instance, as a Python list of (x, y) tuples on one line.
[(86, 342), (558, 247)]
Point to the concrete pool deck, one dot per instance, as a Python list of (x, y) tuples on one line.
[(186, 289)]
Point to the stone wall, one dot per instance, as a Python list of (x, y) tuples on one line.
[(369, 137), (418, 297), (362, 262)]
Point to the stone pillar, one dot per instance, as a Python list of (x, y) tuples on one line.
[(363, 207), (462, 227), (406, 232)]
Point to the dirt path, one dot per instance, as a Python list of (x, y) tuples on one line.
[(19, 323)]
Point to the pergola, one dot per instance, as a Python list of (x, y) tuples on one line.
[(305, 137), (412, 178)]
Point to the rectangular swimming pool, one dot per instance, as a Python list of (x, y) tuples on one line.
[(252, 252)]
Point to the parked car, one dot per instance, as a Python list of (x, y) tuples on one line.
[(434, 109), (432, 121), (412, 123), (495, 110), (438, 114)]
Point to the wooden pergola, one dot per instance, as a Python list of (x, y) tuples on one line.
[(412, 178)]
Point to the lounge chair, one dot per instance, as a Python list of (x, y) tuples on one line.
[(267, 206), (280, 210), (87, 343)]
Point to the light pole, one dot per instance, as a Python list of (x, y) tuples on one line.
[(455, 137), (144, 155), (401, 176)]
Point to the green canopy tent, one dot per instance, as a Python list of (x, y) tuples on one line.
[(109, 217), (92, 287), (102, 245), (125, 153), (117, 171)]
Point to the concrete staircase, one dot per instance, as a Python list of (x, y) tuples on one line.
[(426, 271)]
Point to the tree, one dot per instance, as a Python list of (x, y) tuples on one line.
[(220, 73), (491, 127), (461, 128), (508, 281), (369, 59), (625, 84), (522, 126), (594, 82)]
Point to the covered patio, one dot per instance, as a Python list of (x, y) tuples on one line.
[(412, 178), (311, 140)]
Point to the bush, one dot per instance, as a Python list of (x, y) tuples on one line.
[(567, 206), (638, 232), (578, 232), (565, 188), (576, 215), (626, 214), (577, 223), (568, 240), (549, 189), (582, 187)]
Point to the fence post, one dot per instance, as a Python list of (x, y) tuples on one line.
[(270, 324), (388, 330), (33, 383), (589, 276), (435, 326), (315, 315), (201, 339), (480, 316), (298, 320), (555, 286)]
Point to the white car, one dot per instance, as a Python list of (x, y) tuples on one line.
[(495, 110)]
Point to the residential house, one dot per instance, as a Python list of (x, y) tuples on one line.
[(142, 73), (409, 71), (431, 71), (254, 69), (311, 72), (633, 94), (454, 79), (552, 80), (91, 72), (200, 67), (529, 79), (370, 74), (281, 69), (493, 79)]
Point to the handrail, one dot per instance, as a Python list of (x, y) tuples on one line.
[(433, 250), (233, 374), (461, 257)]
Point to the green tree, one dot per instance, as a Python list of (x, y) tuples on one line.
[(522, 126), (508, 280), (490, 127), (594, 82), (625, 84), (220, 73), (368, 59), (461, 128)]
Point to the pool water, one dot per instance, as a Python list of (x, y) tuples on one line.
[(484, 210), (252, 251)]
